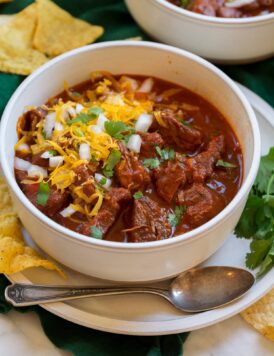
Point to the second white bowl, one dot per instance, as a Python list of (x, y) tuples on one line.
[(220, 40)]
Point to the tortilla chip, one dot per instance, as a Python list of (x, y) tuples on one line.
[(261, 315), (4, 19), (5, 199), (57, 31), (15, 256), (16, 52)]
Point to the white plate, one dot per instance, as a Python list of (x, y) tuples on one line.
[(148, 314)]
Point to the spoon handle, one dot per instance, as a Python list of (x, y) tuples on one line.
[(21, 295)]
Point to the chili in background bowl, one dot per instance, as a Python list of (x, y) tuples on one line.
[(220, 40), (120, 261)]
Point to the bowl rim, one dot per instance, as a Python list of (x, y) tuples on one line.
[(210, 19), (104, 244)]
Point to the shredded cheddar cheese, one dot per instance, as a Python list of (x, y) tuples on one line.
[(71, 124)]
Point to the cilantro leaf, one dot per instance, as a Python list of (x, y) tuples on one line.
[(151, 163), (92, 114), (103, 180), (116, 129), (113, 159), (53, 153), (43, 194), (165, 153), (265, 172), (224, 164), (95, 232), (257, 219), (247, 226), (138, 195), (184, 3), (258, 251), (174, 218)]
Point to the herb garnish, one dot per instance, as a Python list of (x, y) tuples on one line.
[(138, 195), (43, 193), (174, 218), (92, 114), (95, 232), (257, 219), (103, 180), (113, 158), (151, 163), (224, 164), (116, 128), (184, 3), (165, 153), (53, 153)]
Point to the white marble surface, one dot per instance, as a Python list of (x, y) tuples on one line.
[(22, 335)]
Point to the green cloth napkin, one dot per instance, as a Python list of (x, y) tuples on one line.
[(118, 24)]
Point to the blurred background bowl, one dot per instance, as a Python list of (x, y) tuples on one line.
[(220, 40)]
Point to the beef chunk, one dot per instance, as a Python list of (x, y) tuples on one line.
[(84, 177), (176, 133), (149, 142), (130, 172), (170, 176), (29, 120), (112, 206), (202, 165), (56, 201), (202, 203), (39, 161), (148, 221)]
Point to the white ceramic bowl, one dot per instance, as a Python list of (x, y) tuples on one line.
[(217, 39), (129, 261)]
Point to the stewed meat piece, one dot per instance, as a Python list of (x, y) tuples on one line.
[(202, 165), (148, 222), (29, 120), (130, 173), (175, 132), (114, 202), (202, 203), (170, 176), (55, 203), (84, 177), (149, 142)]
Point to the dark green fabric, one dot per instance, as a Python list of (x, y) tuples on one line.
[(118, 24), (83, 341)]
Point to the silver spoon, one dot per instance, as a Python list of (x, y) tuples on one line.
[(195, 290)]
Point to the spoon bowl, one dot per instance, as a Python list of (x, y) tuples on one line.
[(201, 289), (195, 290)]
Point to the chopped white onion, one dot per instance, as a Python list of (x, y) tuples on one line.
[(96, 129), (23, 147), (84, 151), (134, 143), (238, 3), (71, 111), (98, 177), (56, 161), (115, 100), (21, 164), (49, 124), (78, 108), (68, 211), (36, 171), (58, 126), (146, 86), (101, 121), (143, 122), (132, 82), (46, 155)]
